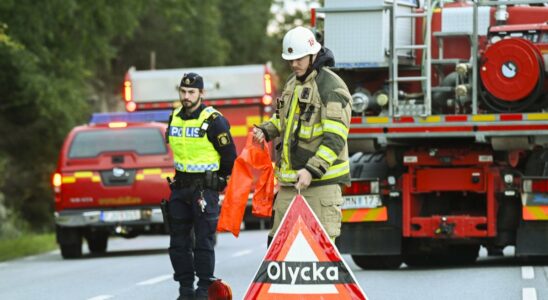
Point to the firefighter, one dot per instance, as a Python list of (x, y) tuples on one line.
[(311, 120), (204, 154)]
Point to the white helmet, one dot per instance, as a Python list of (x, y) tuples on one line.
[(299, 42)]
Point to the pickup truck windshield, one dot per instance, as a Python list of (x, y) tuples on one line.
[(140, 140)]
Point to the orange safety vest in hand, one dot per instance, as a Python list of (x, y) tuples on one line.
[(239, 186)]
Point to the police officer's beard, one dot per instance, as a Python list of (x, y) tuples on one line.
[(192, 106)]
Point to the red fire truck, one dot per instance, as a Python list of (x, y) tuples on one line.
[(243, 94), (449, 129)]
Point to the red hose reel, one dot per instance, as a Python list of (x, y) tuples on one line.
[(512, 75)]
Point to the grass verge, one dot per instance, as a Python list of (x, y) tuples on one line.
[(28, 244)]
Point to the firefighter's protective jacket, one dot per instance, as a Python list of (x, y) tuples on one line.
[(312, 120)]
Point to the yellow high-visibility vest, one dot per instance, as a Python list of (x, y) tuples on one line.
[(192, 150)]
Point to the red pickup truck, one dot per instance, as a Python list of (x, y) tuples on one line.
[(110, 179)]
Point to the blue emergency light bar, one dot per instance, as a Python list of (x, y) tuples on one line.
[(131, 117)]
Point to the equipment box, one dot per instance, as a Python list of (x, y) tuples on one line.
[(358, 31)]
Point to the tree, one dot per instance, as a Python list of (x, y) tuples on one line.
[(244, 25), (282, 21), (56, 56), (49, 50)]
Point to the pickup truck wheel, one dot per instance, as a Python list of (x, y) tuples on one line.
[(97, 243), (372, 262), (70, 241), (71, 250)]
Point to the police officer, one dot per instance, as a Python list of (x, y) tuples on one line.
[(311, 120), (204, 154)]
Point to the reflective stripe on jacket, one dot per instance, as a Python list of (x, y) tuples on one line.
[(312, 120), (192, 150)]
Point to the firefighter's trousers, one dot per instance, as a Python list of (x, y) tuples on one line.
[(325, 201)]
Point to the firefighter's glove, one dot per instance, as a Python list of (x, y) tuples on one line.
[(303, 179), (258, 135)]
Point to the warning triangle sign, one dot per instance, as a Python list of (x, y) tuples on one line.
[(302, 262)]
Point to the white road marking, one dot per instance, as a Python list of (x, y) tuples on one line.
[(242, 253), (101, 297), (529, 294), (527, 272), (156, 280)]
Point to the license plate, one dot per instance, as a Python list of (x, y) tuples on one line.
[(363, 201), (117, 216)]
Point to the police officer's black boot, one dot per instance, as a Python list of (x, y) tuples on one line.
[(204, 255), (185, 294)]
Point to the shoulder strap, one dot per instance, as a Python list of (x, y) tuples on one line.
[(168, 127), (213, 114)]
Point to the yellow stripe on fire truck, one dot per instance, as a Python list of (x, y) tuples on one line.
[(86, 175), (484, 118), (535, 213), (365, 215), (537, 116), (242, 130), (430, 119), (154, 172), (457, 118)]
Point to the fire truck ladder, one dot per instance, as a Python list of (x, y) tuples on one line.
[(396, 108)]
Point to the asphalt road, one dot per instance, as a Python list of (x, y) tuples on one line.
[(140, 269)]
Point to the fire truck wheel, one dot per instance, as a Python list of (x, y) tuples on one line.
[(536, 162), (97, 242), (373, 262)]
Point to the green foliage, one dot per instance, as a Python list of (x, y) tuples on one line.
[(182, 33), (244, 24), (49, 50), (58, 57), (283, 20), (25, 245)]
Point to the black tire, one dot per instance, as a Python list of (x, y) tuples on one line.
[(537, 163), (97, 243), (373, 262), (70, 241), (69, 251)]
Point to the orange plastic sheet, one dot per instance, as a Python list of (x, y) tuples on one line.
[(253, 156)]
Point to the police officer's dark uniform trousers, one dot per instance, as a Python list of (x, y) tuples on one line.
[(194, 202)]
